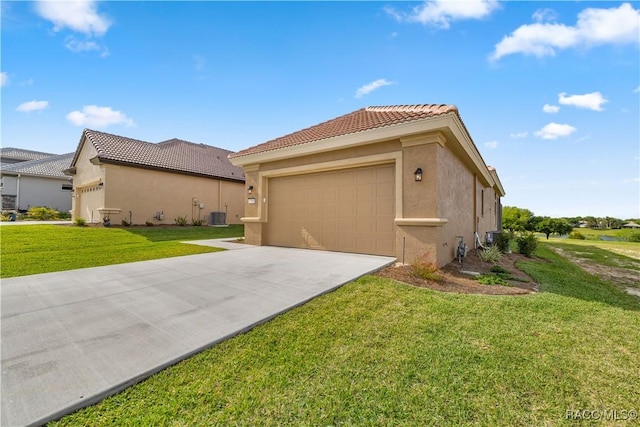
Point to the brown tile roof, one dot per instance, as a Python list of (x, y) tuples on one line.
[(48, 167), (174, 155), (357, 121), (22, 154)]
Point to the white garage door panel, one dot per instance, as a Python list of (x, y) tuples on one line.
[(348, 210)]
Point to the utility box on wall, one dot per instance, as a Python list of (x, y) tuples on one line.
[(218, 218)]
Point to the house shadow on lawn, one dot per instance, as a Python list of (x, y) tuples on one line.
[(163, 233)]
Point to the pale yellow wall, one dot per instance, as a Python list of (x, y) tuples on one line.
[(146, 192), (455, 202), (87, 196)]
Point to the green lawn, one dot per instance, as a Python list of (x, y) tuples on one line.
[(377, 352), (32, 249), (628, 249)]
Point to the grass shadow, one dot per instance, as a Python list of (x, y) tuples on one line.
[(168, 233)]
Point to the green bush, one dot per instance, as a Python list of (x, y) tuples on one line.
[(198, 222), (491, 254), (425, 269), (527, 243), (491, 279), (149, 224), (125, 223), (42, 213), (503, 241), (629, 235), (80, 222), (576, 235), (181, 221), (499, 270)]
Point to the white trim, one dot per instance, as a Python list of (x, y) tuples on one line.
[(428, 222)]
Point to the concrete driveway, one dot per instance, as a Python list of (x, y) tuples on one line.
[(71, 338)]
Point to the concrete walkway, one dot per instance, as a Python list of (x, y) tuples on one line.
[(69, 339)]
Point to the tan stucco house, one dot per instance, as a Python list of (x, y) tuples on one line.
[(123, 178), (400, 181)]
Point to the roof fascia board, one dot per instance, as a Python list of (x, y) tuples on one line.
[(367, 137), (465, 141)]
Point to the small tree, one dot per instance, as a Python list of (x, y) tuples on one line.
[(515, 219)]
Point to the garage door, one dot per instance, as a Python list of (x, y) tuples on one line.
[(349, 210)]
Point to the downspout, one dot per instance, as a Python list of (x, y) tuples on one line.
[(18, 192)]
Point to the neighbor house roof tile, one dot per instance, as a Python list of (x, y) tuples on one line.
[(22, 154), (357, 121), (51, 166), (173, 155)]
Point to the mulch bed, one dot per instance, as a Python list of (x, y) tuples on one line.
[(455, 280)]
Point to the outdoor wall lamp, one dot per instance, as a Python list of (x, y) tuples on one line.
[(250, 189), (418, 174)]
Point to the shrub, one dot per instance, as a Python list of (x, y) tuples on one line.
[(527, 243), (42, 213), (491, 279), (198, 222), (63, 215), (499, 270), (80, 222), (491, 254), (181, 221), (125, 223), (576, 235), (629, 235), (425, 269), (149, 224), (503, 242)]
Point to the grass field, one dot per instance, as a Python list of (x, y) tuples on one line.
[(377, 352), (36, 249)]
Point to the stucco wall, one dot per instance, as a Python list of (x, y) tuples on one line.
[(38, 191), (175, 195)]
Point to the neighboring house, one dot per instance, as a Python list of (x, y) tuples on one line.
[(401, 181), (10, 155), (126, 179), (37, 183)]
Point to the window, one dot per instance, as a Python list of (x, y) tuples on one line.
[(482, 202), (67, 187)]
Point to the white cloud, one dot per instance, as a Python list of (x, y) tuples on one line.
[(592, 101), (594, 27), (94, 116), (76, 46), (77, 15), (440, 13), (491, 144), (370, 87), (28, 82), (637, 90), (27, 107), (519, 135), (555, 131), (4, 79), (551, 109), (545, 15)]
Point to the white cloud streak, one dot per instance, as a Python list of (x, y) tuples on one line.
[(29, 106), (440, 13), (555, 131), (592, 101), (370, 87), (76, 46), (551, 109), (77, 15), (519, 135), (94, 116), (594, 27), (4, 79), (491, 144)]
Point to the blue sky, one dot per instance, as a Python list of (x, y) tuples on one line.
[(549, 91)]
